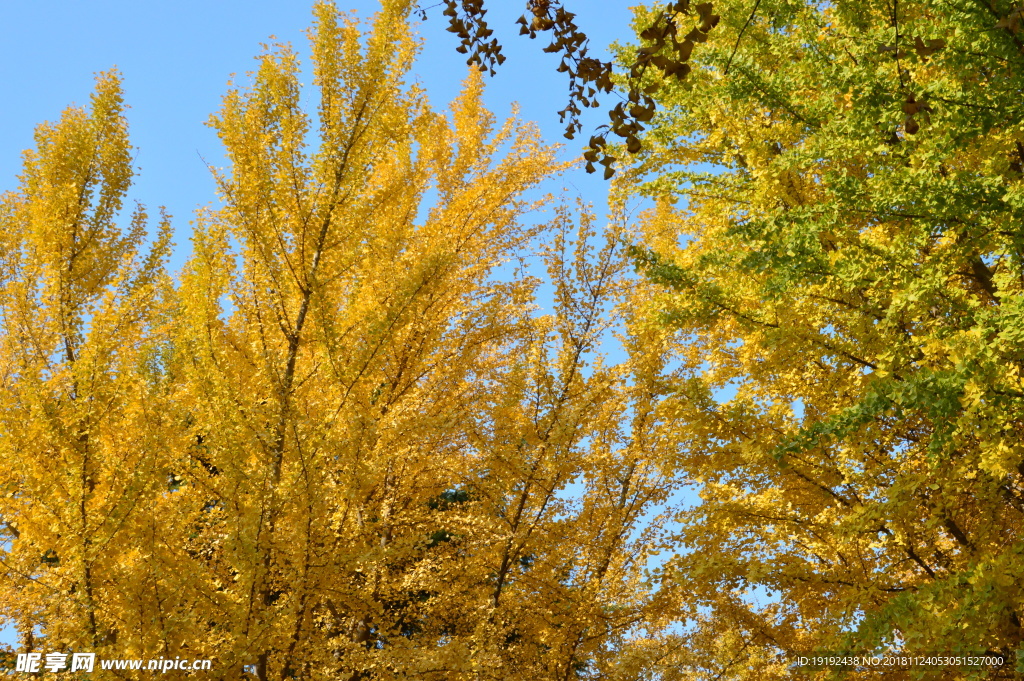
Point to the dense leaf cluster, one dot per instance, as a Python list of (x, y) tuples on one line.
[(839, 237)]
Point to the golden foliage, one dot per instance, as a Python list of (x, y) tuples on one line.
[(341, 446)]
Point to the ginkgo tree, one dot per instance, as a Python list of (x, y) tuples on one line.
[(838, 237), (344, 443), (79, 426)]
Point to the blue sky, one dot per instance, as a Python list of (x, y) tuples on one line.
[(176, 59)]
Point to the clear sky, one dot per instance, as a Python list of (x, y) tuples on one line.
[(176, 59)]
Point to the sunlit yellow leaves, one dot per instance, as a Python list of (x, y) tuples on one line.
[(344, 444), (83, 321)]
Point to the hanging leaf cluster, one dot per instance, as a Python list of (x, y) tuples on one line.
[(669, 53), (466, 21), (1012, 21), (669, 47), (587, 76), (912, 107)]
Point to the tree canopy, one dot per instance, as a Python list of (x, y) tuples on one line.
[(343, 443), (839, 240)]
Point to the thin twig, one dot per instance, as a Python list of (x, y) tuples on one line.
[(740, 37), (896, 26)]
